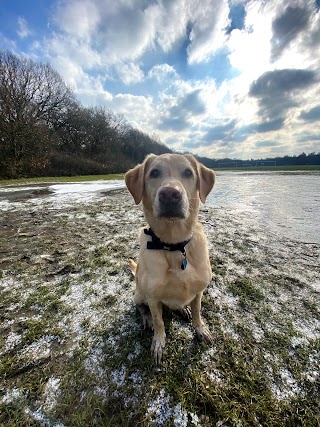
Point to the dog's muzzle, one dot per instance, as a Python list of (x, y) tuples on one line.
[(171, 203)]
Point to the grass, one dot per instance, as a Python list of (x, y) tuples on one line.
[(84, 178), (73, 351), (80, 178)]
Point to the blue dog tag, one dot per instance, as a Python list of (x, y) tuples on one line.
[(184, 263)]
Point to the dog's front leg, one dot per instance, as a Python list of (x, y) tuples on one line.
[(201, 329), (159, 338)]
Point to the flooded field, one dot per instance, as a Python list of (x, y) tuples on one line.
[(72, 348), (284, 203)]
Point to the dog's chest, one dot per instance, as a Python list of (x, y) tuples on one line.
[(181, 286), (161, 277)]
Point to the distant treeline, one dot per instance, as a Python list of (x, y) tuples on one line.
[(300, 160), (45, 131)]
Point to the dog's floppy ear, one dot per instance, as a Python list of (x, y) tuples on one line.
[(206, 178), (135, 179), (135, 182), (206, 181)]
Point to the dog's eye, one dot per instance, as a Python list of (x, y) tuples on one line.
[(188, 173), (155, 173)]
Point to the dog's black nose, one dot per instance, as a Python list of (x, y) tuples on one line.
[(170, 195)]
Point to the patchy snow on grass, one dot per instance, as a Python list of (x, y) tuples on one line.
[(67, 292), (14, 395), (315, 285), (13, 340), (94, 360), (160, 412), (9, 283), (286, 387), (224, 300), (118, 376), (52, 392), (80, 302), (136, 351), (312, 372), (39, 349), (309, 330), (40, 416)]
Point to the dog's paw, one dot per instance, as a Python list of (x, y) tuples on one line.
[(157, 348), (204, 333), (184, 313), (147, 321), (146, 316)]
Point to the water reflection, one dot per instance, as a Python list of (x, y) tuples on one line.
[(285, 202)]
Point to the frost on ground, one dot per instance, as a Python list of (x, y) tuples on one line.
[(73, 351)]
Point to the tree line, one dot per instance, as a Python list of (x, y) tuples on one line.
[(300, 160), (45, 131)]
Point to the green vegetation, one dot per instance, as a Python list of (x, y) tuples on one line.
[(85, 178), (73, 351), (43, 180)]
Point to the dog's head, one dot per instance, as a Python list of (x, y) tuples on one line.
[(170, 185)]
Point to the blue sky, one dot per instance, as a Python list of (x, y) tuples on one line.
[(219, 78)]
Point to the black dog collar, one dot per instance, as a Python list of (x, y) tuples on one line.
[(156, 243)]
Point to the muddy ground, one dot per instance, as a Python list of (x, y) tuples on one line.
[(73, 351)]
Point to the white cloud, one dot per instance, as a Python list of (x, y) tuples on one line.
[(129, 73), (138, 110), (78, 18), (126, 30), (74, 51), (70, 71), (251, 54), (250, 48), (209, 21), (102, 47), (160, 72), (23, 28), (7, 44), (171, 19), (304, 48), (89, 90)]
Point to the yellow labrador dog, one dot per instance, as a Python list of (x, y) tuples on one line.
[(173, 267)]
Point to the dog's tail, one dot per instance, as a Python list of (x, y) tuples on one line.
[(133, 266)]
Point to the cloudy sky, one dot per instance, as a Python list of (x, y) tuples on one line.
[(237, 78)]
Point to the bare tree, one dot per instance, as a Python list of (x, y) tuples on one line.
[(43, 128), (32, 99)]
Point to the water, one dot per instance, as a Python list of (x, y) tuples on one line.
[(56, 192), (285, 203)]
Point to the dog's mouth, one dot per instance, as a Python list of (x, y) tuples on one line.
[(171, 204), (172, 215)]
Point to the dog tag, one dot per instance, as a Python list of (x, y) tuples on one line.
[(184, 262)]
